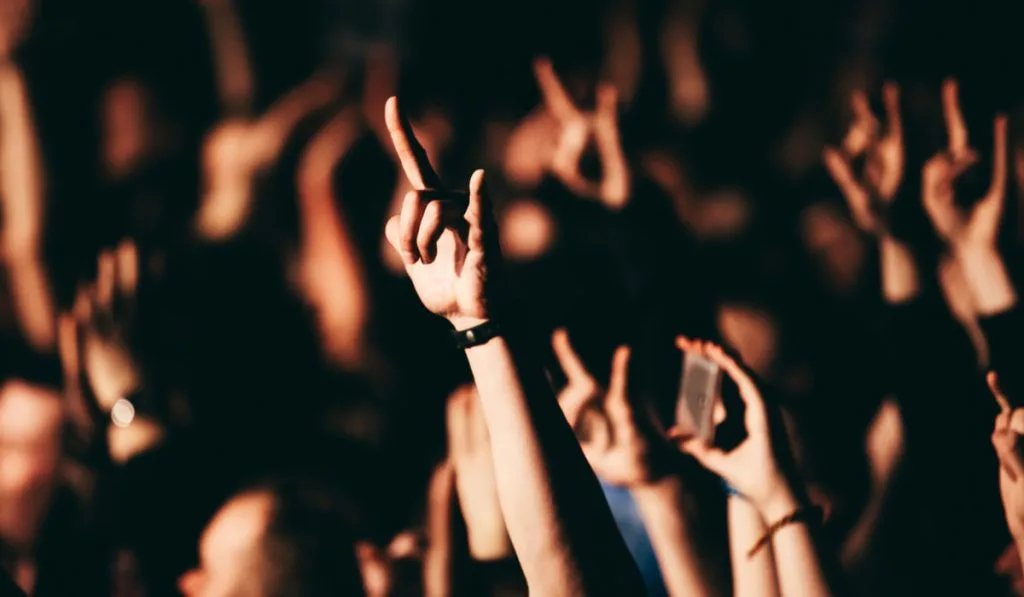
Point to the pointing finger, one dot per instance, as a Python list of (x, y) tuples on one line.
[(414, 159)]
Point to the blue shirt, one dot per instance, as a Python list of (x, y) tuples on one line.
[(627, 517)]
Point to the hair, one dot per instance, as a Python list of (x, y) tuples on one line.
[(308, 549)]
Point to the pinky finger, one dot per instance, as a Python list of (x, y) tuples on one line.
[(478, 212)]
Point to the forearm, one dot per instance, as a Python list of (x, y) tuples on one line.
[(33, 304), (751, 576), (230, 56), (334, 276), (798, 563), (437, 560), (1020, 552), (326, 235), (21, 176), (271, 131), (987, 278), (557, 519), (662, 507), (900, 280)]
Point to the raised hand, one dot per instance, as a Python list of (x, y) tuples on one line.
[(1006, 436), (870, 193), (101, 374), (619, 443), (446, 244), (237, 149), (104, 312), (433, 132), (755, 466), (575, 129), (976, 225), (469, 452)]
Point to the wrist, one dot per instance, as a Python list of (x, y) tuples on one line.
[(663, 503), (461, 323), (667, 485), (778, 504), (973, 249), (986, 277)]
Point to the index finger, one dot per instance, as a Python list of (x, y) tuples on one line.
[(891, 100), (127, 268), (556, 98), (414, 159), (993, 385), (955, 127), (570, 362)]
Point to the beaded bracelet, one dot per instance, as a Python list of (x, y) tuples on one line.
[(811, 515)]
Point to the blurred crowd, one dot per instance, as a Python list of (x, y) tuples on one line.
[(219, 229)]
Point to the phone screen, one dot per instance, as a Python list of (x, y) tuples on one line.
[(698, 390)]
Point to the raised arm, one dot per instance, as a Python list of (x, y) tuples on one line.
[(270, 132), (628, 456), (576, 129), (871, 194), (237, 149), (556, 516), (103, 379), (1006, 439), (23, 196), (331, 273), (760, 469), (971, 234)]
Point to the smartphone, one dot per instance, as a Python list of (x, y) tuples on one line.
[(699, 389)]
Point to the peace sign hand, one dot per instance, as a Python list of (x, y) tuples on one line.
[(977, 225), (870, 193), (576, 129), (446, 244)]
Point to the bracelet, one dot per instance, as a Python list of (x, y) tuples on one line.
[(477, 335), (810, 515)]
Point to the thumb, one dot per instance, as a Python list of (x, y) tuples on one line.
[(709, 457)]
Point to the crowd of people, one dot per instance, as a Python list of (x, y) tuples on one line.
[(377, 299)]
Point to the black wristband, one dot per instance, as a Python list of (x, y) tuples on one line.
[(477, 335)]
